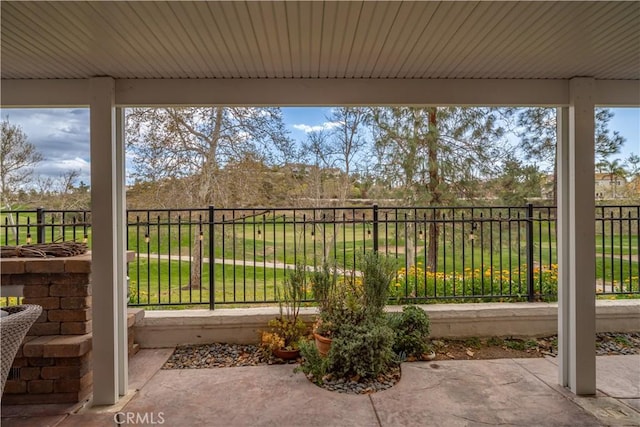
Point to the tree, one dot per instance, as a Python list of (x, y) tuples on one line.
[(314, 147), (61, 192), (341, 148), (633, 172), (194, 153), (198, 143), (616, 172), (436, 155), (518, 182), (18, 157), (537, 132), (633, 164)]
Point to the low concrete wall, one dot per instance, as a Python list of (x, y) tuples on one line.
[(524, 319), (242, 326)]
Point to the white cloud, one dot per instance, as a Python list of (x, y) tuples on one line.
[(316, 128), (61, 135), (54, 169), (75, 164)]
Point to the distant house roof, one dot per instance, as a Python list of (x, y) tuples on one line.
[(609, 177)]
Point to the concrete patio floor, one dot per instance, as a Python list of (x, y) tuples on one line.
[(520, 392)]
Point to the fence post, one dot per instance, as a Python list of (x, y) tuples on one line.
[(529, 237), (40, 225), (212, 290), (375, 228)]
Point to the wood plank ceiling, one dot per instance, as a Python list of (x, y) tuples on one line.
[(320, 39)]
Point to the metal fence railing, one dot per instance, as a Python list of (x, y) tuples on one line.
[(239, 256), (43, 226)]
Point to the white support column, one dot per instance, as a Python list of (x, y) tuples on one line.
[(563, 224), (576, 214), (104, 240), (121, 267)]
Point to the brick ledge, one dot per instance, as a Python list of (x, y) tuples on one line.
[(58, 346)]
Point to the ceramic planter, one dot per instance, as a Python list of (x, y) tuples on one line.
[(323, 344), (286, 354)]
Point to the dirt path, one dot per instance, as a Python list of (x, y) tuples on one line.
[(234, 262), (600, 284), (225, 261), (626, 257)]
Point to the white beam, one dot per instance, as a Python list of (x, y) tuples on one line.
[(617, 93), (578, 215), (104, 241), (308, 92), (45, 93), (132, 92)]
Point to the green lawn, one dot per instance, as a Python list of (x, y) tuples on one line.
[(619, 271), (492, 252), (164, 282)]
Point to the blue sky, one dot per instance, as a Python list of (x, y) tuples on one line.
[(62, 135)]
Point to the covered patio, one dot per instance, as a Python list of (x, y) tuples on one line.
[(574, 56), (520, 392)]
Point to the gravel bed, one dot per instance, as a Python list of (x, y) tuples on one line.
[(234, 355), (359, 386), (607, 344), (215, 356), (611, 343)]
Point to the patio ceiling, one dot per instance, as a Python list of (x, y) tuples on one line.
[(317, 40), (113, 54)]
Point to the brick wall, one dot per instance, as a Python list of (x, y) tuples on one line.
[(53, 364)]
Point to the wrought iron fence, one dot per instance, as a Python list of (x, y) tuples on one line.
[(239, 256), (43, 226)]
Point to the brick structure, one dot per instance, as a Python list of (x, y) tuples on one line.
[(53, 364)]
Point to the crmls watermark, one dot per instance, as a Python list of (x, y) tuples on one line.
[(140, 418)]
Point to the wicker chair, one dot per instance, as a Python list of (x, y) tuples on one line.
[(13, 329)]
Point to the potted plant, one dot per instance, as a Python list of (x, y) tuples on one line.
[(339, 302), (324, 288), (362, 345), (288, 328), (351, 314)]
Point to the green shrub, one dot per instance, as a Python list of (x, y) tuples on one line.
[(323, 285), (377, 273), (363, 349), (495, 341), (288, 328), (351, 313), (473, 342), (516, 344), (314, 364), (411, 331)]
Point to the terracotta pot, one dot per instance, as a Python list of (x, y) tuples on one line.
[(286, 354), (429, 356), (323, 344)]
